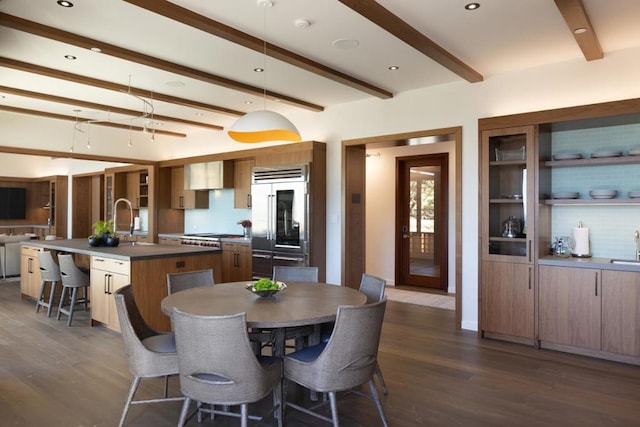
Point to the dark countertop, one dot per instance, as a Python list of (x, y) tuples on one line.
[(597, 263), (127, 251)]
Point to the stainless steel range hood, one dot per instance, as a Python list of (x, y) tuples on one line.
[(209, 175)]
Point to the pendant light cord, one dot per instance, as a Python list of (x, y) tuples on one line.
[(264, 58)]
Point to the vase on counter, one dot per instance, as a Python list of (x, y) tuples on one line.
[(247, 232), (112, 241), (95, 241)]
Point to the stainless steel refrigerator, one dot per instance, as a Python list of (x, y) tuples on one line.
[(280, 216)]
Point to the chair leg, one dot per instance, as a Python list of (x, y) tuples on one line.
[(72, 305), (376, 399), (62, 297), (183, 413), (244, 415), (40, 296), (278, 402), (383, 385), (52, 295), (132, 390), (334, 409)]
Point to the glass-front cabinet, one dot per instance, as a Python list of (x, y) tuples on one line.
[(508, 199)]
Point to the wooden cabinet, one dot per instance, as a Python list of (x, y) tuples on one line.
[(186, 199), (509, 193), (107, 276), (236, 261), (242, 183), (621, 312), (570, 306), (30, 278), (508, 299), (138, 189)]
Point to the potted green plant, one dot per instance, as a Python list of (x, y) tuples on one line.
[(103, 234)]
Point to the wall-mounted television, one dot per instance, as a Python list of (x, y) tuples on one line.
[(13, 203)]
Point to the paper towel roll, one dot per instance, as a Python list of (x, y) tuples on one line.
[(581, 240), (136, 223)]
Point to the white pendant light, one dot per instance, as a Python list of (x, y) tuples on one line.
[(264, 125)]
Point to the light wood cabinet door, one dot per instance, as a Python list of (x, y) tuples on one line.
[(107, 276), (186, 199), (508, 299), (30, 278), (236, 262), (569, 310), (242, 183), (621, 312)]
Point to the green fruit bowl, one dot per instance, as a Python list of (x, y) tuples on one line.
[(266, 293)]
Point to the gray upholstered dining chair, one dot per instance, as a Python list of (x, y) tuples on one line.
[(72, 279), (50, 273), (346, 362), (297, 274), (218, 366), (177, 282), (150, 354)]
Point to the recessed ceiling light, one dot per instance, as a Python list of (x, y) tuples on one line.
[(580, 30), (175, 83), (302, 23), (248, 102), (394, 67), (345, 44), (199, 114), (472, 6), (64, 3), (96, 49), (258, 70), (70, 57)]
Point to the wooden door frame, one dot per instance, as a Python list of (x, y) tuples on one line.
[(354, 202)]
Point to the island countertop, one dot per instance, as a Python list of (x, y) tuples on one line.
[(127, 251)]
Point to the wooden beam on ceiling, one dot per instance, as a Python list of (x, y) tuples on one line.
[(218, 29), (97, 123), (101, 107), (76, 78), (576, 17), (37, 29), (389, 22), (71, 155)]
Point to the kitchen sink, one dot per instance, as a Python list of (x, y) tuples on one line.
[(137, 243), (625, 262)]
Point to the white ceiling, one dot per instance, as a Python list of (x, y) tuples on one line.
[(499, 37)]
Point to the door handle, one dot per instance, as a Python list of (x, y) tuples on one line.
[(284, 258), (261, 256)]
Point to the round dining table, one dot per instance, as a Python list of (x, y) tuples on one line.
[(299, 304)]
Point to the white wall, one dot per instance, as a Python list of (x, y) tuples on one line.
[(578, 82)]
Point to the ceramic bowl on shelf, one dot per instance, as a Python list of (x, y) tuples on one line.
[(634, 151), (603, 194), (634, 194), (607, 153), (565, 195), (567, 156)]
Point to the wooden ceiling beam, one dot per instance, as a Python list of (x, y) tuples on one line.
[(70, 155), (389, 22), (218, 29), (576, 17), (101, 107), (45, 31), (76, 78), (97, 123)]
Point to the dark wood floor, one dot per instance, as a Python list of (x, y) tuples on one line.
[(58, 376)]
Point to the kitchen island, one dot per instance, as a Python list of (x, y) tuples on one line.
[(145, 266)]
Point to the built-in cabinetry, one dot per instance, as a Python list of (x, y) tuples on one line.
[(236, 261), (242, 183), (537, 171), (107, 276), (30, 278), (169, 240), (508, 244), (186, 199)]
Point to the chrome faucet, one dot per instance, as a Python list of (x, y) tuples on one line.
[(115, 215), (636, 238)]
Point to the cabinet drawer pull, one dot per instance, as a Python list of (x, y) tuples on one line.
[(596, 284)]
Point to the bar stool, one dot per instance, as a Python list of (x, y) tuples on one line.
[(50, 272), (72, 279)]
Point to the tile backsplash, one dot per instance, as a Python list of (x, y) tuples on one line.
[(221, 217), (611, 227)]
